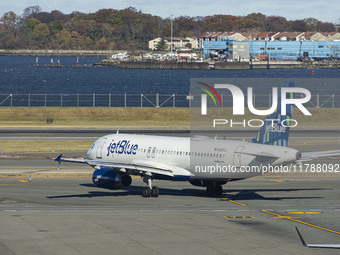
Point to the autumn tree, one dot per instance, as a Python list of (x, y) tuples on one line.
[(276, 24), (41, 31), (312, 24), (185, 26), (10, 21), (10, 24), (31, 10), (64, 38), (297, 26), (55, 26), (31, 23), (326, 27), (129, 28)]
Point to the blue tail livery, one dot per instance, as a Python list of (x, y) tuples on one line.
[(273, 133)]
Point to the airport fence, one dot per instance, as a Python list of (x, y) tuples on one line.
[(140, 100)]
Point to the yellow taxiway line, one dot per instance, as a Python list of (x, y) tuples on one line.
[(299, 221), (232, 201)]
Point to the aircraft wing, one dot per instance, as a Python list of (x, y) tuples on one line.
[(311, 155), (138, 165), (334, 246), (74, 160)]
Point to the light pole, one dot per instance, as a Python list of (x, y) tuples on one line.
[(171, 36)]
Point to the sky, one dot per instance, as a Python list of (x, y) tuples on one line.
[(326, 11)]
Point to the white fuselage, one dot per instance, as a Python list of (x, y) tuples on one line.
[(201, 158)]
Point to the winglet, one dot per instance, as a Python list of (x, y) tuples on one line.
[(58, 158), (301, 238)]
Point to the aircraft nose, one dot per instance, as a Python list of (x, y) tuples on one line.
[(90, 154)]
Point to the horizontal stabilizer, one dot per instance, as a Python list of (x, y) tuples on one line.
[(310, 155)]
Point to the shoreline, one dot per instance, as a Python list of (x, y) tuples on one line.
[(208, 65), (66, 53)]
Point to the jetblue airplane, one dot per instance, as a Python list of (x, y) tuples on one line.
[(203, 161)]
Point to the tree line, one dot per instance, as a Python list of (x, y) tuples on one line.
[(129, 29)]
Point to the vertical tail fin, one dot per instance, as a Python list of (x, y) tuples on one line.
[(272, 132)]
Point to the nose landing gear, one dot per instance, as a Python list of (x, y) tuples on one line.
[(149, 190)]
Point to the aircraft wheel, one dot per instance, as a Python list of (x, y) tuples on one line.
[(210, 190), (155, 191), (146, 192), (218, 190)]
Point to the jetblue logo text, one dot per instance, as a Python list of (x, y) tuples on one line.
[(122, 147), (238, 100)]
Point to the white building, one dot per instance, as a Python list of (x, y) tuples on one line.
[(221, 36), (177, 43)]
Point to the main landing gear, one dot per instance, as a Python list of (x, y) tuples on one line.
[(214, 189), (149, 190)]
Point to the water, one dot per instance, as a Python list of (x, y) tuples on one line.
[(19, 75)]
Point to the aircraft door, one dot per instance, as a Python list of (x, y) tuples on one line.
[(148, 152), (100, 147), (237, 156), (153, 152)]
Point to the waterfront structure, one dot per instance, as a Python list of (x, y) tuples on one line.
[(238, 51), (276, 45), (334, 36), (292, 50), (220, 36), (177, 43), (265, 36), (288, 36), (312, 36), (279, 50), (210, 47)]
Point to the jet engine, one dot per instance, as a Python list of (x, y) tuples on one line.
[(110, 179), (204, 183), (199, 183)]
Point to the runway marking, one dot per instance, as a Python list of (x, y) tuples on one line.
[(277, 180), (299, 221), (239, 217), (12, 185), (305, 212), (23, 181), (232, 201), (284, 217), (26, 201)]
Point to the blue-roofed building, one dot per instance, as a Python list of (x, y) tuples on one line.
[(217, 46), (292, 50), (280, 50)]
